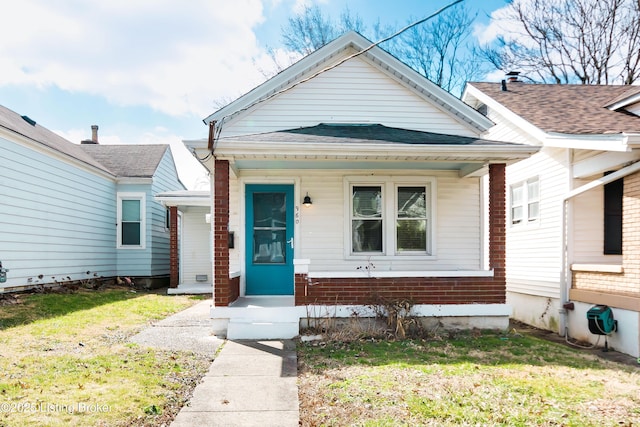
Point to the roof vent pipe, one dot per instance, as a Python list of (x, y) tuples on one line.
[(512, 76)]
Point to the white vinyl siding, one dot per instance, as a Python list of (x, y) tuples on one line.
[(534, 247), (195, 256), (355, 92)]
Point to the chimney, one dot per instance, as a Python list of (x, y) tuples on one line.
[(94, 133), (94, 136)]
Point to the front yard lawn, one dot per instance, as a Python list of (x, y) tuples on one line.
[(66, 360), (470, 379)]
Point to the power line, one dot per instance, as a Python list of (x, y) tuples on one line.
[(220, 123)]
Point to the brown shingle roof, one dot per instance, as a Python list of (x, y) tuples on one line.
[(570, 109)]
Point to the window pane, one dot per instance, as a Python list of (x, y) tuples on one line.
[(412, 235), (269, 210), (366, 235), (131, 210), (516, 195), (269, 246), (533, 190), (367, 202), (516, 214), (131, 233), (533, 211), (412, 202)]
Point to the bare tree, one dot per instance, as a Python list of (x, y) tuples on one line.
[(440, 49), (571, 41)]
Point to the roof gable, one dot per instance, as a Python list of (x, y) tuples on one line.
[(334, 55)]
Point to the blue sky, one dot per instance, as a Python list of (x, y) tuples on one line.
[(149, 71)]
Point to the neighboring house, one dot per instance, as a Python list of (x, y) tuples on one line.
[(74, 212), (573, 233), (350, 180)]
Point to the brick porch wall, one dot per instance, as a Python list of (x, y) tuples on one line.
[(223, 291), (627, 282), (425, 290)]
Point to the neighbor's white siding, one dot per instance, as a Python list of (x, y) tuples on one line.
[(57, 220), (354, 92), (321, 227), (534, 257), (505, 131), (195, 253)]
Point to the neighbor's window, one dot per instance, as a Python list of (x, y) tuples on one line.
[(131, 222), (389, 216), (525, 201), (366, 219), (613, 194)]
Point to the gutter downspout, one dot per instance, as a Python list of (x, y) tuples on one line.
[(565, 275)]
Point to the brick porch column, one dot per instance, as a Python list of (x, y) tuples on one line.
[(222, 292), (498, 223), (174, 265)]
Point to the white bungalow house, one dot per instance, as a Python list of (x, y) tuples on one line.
[(573, 208), (74, 212), (349, 178)]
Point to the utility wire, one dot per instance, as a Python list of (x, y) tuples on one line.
[(220, 123)]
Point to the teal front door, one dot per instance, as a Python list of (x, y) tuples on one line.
[(269, 239)]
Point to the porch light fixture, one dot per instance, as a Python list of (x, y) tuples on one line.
[(307, 200)]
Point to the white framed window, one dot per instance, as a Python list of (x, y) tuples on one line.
[(389, 216), (525, 201), (131, 221)]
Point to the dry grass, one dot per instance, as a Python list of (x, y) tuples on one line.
[(66, 360), (469, 379)]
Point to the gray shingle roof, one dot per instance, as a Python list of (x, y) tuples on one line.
[(139, 161), (362, 133), (118, 160), (13, 121), (570, 109)]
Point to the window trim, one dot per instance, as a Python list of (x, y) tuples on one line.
[(141, 197), (525, 203), (389, 186)]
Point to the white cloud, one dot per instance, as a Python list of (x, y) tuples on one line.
[(499, 25), (176, 57)]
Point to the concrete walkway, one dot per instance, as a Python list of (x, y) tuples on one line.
[(250, 383)]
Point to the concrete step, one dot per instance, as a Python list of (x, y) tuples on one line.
[(250, 329)]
